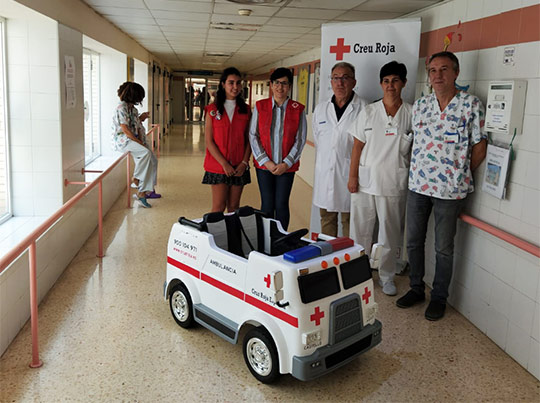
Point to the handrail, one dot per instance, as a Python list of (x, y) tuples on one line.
[(30, 243), (505, 236), (151, 132)]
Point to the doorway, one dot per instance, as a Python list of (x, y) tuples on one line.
[(199, 92)]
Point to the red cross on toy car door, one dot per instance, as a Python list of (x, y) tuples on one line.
[(317, 316), (366, 295)]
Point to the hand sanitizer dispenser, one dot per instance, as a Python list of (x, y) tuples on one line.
[(505, 106)]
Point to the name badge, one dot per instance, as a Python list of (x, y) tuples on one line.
[(390, 131), (323, 122), (451, 138)]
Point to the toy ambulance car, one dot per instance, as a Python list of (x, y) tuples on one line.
[(308, 306)]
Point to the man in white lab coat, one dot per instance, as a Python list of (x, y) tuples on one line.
[(331, 122)]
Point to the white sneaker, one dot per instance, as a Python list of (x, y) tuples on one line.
[(134, 186), (388, 287)]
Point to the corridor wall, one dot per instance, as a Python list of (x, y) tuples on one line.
[(47, 144)]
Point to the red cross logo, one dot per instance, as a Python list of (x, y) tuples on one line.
[(340, 48), (317, 316), (366, 295), (267, 281)]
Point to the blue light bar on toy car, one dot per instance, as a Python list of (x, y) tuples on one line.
[(301, 254)]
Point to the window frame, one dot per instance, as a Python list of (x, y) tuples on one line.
[(9, 207), (94, 108)]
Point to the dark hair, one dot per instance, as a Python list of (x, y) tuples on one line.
[(449, 55), (281, 72), (394, 68), (221, 96), (131, 92)]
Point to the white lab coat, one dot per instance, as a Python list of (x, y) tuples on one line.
[(333, 154)]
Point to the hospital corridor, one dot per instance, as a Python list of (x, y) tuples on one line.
[(107, 333), (269, 201)]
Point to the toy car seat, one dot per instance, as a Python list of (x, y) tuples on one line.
[(226, 231), (252, 229)]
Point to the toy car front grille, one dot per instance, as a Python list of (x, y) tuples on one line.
[(345, 318)]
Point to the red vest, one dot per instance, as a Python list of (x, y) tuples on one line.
[(293, 112), (229, 137)]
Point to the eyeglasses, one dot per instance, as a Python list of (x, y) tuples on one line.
[(282, 83), (342, 79)]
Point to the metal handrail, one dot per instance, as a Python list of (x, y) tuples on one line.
[(30, 243), (499, 233)]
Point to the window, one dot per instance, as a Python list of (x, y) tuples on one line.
[(5, 199), (92, 144), (318, 285), (355, 272)]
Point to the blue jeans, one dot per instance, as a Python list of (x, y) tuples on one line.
[(275, 192), (445, 213)]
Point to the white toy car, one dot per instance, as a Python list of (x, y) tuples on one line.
[(309, 305)]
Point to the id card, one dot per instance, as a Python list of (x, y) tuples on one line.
[(390, 131)]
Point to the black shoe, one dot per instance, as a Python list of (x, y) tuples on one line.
[(410, 299), (435, 310)]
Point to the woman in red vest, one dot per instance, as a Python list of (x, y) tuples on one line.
[(227, 147), (277, 135)]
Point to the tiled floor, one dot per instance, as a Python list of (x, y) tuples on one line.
[(106, 333)]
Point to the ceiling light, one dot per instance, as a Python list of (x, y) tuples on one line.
[(217, 54), (256, 1), (229, 26), (246, 12)]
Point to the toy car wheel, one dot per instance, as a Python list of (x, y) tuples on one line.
[(261, 356), (181, 306)]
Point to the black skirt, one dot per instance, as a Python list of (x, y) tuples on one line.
[(211, 178)]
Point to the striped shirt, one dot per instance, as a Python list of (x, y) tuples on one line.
[(276, 130)]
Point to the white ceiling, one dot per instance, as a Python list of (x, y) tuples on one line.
[(211, 35)]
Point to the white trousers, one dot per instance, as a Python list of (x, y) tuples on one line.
[(145, 165), (365, 209)]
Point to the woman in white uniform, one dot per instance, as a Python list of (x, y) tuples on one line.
[(379, 171)]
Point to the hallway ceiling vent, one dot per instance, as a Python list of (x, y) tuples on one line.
[(230, 26), (257, 1)]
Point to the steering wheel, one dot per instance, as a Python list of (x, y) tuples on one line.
[(291, 238)]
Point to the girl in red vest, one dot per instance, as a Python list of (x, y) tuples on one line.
[(227, 147), (277, 135)]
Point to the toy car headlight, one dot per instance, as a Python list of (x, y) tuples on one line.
[(311, 337), (371, 312)]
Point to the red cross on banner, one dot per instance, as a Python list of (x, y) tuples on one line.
[(366, 295), (340, 48), (317, 316), (267, 281)]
